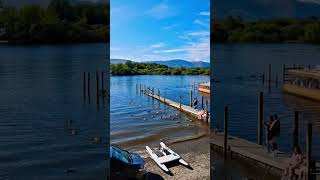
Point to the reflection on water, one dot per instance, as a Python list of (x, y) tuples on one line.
[(46, 129), (137, 119), (238, 67)]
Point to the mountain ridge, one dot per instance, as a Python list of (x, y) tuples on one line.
[(175, 63)]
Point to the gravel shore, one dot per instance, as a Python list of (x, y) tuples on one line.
[(195, 152)]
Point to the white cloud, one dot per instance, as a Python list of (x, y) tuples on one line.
[(193, 50), (204, 13), (201, 23), (169, 27), (160, 11), (310, 1), (170, 50), (199, 33), (158, 45)]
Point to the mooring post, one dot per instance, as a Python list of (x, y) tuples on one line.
[(97, 78), (283, 73), (190, 98), (202, 102), (84, 85), (159, 93), (269, 76), (89, 85), (180, 102), (207, 105), (225, 143), (260, 118), (308, 148), (295, 129), (102, 82), (263, 78)]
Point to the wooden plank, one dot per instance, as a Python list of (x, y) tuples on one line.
[(252, 151), (184, 108)]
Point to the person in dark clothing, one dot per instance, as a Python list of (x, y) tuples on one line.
[(195, 103), (268, 134), (274, 131)]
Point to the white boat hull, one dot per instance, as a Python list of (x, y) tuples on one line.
[(168, 156)]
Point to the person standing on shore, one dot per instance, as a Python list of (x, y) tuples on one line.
[(268, 134), (275, 133), (195, 103)]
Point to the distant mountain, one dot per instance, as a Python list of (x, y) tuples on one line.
[(182, 63), (118, 61), (171, 63)]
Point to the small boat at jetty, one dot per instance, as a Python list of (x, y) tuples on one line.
[(204, 87), (165, 155), (303, 82)]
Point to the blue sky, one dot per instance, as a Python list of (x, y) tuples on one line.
[(144, 30)]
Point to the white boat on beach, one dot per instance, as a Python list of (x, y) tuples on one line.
[(166, 155)]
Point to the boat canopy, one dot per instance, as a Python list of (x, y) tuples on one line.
[(305, 73)]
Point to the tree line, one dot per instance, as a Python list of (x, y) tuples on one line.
[(133, 68), (60, 22), (234, 29)]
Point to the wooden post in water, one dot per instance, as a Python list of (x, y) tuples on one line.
[(84, 85), (97, 78), (283, 73), (159, 93), (309, 66), (89, 85), (295, 129), (225, 143), (190, 98), (102, 82), (308, 149), (202, 102), (294, 65), (207, 105), (269, 76), (260, 118), (180, 102)]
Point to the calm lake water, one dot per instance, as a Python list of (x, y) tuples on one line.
[(137, 120), (238, 68), (41, 90)]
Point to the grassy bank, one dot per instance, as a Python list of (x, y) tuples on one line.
[(133, 68), (60, 22), (235, 29)]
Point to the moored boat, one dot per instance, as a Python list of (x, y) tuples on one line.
[(303, 82), (204, 87)]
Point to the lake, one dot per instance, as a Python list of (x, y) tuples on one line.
[(238, 68), (137, 120), (41, 92)]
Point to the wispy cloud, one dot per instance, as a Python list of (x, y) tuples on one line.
[(310, 1), (198, 49), (169, 27), (204, 13), (158, 45), (201, 23), (199, 33), (160, 11)]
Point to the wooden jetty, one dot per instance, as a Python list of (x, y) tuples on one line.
[(178, 105), (251, 152), (257, 155)]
